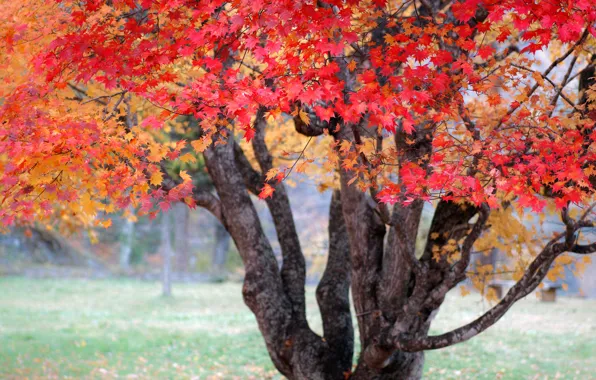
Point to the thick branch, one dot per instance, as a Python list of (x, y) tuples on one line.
[(333, 291), (450, 221), (399, 261), (263, 290), (316, 127), (209, 202), (584, 249), (532, 278), (366, 234), (293, 270), (252, 178)]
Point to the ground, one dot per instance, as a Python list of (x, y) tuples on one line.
[(123, 328)]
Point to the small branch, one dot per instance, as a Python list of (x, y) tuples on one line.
[(95, 99), (547, 71), (562, 86), (559, 89)]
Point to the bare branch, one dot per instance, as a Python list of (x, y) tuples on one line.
[(209, 202), (531, 279), (547, 71), (463, 263), (582, 249), (533, 276)]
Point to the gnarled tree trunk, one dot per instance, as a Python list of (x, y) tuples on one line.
[(372, 251)]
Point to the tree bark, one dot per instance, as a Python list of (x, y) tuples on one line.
[(167, 253), (395, 294), (333, 291), (404, 366)]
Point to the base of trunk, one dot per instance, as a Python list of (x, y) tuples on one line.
[(400, 366)]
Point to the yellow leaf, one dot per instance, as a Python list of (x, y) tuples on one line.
[(301, 168), (464, 291), (156, 178), (271, 173), (188, 157), (538, 78), (491, 295), (156, 153), (88, 205), (304, 117), (201, 144), (184, 175)]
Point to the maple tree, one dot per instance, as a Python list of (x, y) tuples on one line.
[(464, 103)]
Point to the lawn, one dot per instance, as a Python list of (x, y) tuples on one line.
[(123, 328)]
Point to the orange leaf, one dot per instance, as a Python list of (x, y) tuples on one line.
[(267, 191)]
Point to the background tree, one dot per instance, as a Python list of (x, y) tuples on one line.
[(418, 101)]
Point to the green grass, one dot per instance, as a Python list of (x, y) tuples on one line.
[(120, 328)]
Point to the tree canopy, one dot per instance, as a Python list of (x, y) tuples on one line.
[(469, 77), (471, 104)]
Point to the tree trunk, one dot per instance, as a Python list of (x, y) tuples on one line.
[(181, 244), (405, 366), (220, 250), (126, 242), (167, 252), (395, 294)]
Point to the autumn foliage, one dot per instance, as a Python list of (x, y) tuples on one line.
[(471, 102), (466, 71)]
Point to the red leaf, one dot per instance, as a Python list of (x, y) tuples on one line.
[(267, 191)]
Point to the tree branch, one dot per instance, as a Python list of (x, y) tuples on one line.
[(533, 276), (537, 270), (333, 291), (293, 270), (252, 178), (208, 201), (262, 280)]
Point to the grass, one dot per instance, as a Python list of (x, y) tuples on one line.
[(120, 328)]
